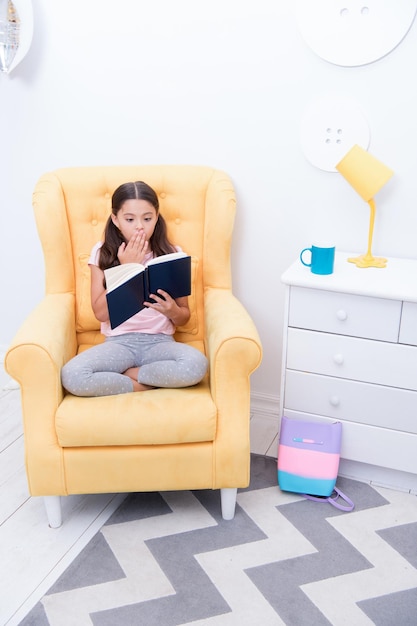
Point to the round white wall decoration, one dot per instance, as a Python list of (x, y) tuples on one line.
[(330, 126), (352, 32)]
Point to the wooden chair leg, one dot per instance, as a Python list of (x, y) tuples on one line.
[(228, 502), (53, 510)]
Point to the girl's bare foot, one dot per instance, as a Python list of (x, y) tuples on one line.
[(132, 373)]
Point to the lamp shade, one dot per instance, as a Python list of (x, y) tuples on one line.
[(364, 172)]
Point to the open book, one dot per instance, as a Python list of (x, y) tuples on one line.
[(129, 285)]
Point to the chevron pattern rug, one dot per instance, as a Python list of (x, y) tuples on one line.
[(166, 559)]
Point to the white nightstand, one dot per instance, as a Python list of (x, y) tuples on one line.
[(350, 353)]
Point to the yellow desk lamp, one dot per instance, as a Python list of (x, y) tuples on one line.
[(367, 176)]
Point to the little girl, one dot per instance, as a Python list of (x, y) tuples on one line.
[(140, 353)]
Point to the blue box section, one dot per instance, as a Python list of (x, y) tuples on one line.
[(300, 484)]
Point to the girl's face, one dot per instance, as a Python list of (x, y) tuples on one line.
[(135, 216)]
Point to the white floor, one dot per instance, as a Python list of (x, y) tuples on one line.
[(32, 555)]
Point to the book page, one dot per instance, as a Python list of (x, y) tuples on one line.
[(116, 276)]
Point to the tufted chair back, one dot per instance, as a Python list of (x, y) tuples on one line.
[(71, 208)]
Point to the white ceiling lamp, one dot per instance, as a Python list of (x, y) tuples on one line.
[(16, 31)]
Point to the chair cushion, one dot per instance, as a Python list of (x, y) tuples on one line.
[(159, 416)]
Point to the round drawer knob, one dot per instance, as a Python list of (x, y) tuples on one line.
[(334, 400), (341, 315), (338, 359)]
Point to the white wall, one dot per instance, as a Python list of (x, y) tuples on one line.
[(221, 83)]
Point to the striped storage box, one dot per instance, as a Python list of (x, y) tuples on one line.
[(308, 456)]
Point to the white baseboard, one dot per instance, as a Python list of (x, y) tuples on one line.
[(379, 476), (264, 405)]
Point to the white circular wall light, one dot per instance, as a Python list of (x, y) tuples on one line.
[(354, 32)]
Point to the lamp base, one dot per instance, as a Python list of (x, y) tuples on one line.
[(367, 260)]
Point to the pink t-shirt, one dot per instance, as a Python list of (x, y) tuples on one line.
[(146, 321)]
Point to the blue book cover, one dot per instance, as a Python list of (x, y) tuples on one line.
[(129, 285)]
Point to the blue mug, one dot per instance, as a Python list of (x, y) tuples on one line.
[(321, 259)]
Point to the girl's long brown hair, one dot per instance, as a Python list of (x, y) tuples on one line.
[(159, 241)]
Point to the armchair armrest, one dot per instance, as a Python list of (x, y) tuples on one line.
[(232, 341), (44, 342), (234, 351), (46, 339)]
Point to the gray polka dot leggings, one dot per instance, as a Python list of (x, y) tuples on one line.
[(163, 362)]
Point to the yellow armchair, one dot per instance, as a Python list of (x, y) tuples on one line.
[(164, 439)]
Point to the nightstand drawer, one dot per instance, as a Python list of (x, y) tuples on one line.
[(408, 329), (376, 405), (345, 314), (378, 362)]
